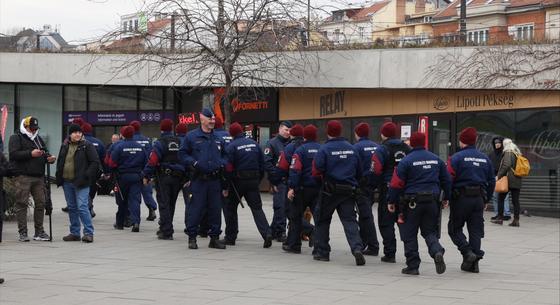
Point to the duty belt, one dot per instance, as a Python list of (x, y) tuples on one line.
[(471, 191), (419, 198), (338, 188), (210, 176), (171, 172)]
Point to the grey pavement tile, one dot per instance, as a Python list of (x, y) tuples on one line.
[(521, 266)]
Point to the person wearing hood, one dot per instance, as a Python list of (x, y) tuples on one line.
[(496, 157), (28, 156), (76, 170)]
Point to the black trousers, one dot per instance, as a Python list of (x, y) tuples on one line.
[(469, 211), (168, 188), (248, 189), (368, 233), (386, 221), (514, 200), (304, 198)]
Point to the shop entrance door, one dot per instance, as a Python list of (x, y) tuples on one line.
[(442, 135)]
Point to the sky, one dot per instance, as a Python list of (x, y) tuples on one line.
[(80, 20)]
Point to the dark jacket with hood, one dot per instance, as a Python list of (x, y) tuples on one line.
[(497, 154), (86, 164)]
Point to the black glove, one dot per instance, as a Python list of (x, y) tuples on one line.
[(48, 210)]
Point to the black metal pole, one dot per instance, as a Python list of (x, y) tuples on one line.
[(463, 21)]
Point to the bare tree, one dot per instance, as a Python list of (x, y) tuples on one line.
[(216, 43), (497, 67)]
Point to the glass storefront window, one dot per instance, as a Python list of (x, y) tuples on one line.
[(7, 93), (112, 98), (169, 99), (489, 125), (75, 98), (45, 103), (151, 99)]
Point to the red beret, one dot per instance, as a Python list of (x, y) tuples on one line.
[(78, 121), (181, 128), (235, 129), (389, 129), (362, 130), (218, 122), (136, 125), (334, 128), (296, 130), (127, 132), (310, 132), (418, 139), (87, 128), (166, 125), (468, 136)]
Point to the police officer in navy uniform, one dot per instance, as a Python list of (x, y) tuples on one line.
[(338, 164), (224, 135), (127, 160), (181, 132), (203, 153), (147, 190), (365, 148), (100, 149), (417, 182), (383, 162), (473, 185), (164, 165), (274, 148), (303, 190), (245, 169)]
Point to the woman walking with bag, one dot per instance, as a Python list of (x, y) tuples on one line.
[(507, 168)]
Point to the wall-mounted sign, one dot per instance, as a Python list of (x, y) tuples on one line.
[(189, 118), (255, 106), (118, 117), (332, 103)]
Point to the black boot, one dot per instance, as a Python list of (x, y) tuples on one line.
[(440, 264), (371, 251), (410, 271), (151, 215), (192, 243), (475, 265), (135, 228), (468, 261), (360, 259), (281, 238), (267, 241), (65, 209), (289, 249), (117, 227), (388, 259), (228, 242), (216, 243)]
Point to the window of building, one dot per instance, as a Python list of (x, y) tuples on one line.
[(522, 32), (151, 99), (75, 98), (427, 19), (112, 98), (478, 36), (361, 32), (136, 25), (169, 99), (45, 103), (336, 35), (125, 26)]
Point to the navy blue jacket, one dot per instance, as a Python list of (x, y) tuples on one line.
[(142, 140), (420, 171), (366, 148), (383, 163), (127, 156), (470, 167), (203, 151), (99, 147), (337, 161), (157, 155), (285, 159), (274, 147), (301, 168), (244, 154), (224, 135)]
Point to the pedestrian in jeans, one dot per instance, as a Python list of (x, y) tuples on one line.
[(507, 167), (28, 156), (76, 168), (496, 158)]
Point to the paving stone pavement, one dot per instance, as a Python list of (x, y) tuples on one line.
[(521, 266)]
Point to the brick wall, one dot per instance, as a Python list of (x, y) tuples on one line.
[(538, 18)]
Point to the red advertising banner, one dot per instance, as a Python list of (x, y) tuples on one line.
[(423, 127), (4, 120)]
